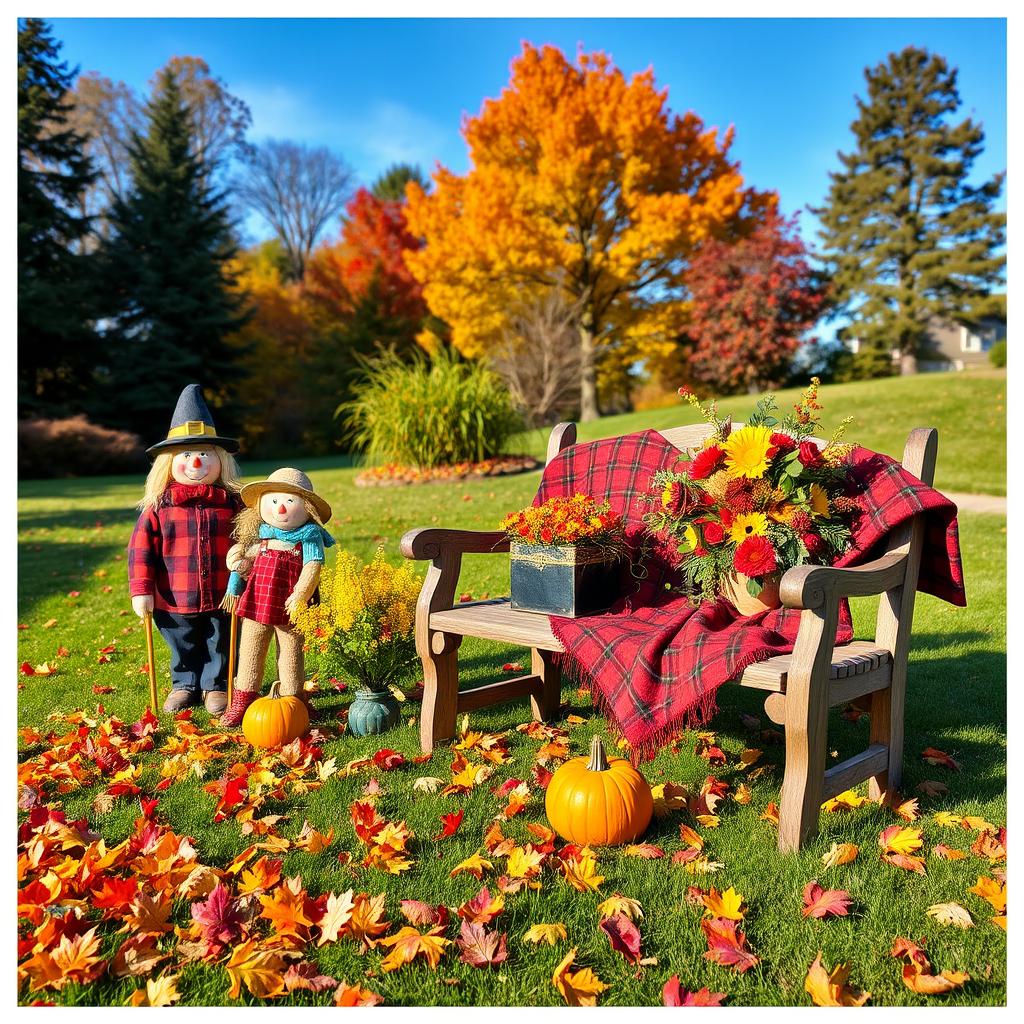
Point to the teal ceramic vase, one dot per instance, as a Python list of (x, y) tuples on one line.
[(373, 712)]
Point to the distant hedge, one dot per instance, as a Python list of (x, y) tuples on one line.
[(76, 447), (997, 354)]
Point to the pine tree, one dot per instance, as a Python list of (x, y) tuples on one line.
[(907, 235), (56, 341), (165, 266), (391, 184)]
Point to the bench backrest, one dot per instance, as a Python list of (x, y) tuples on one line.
[(896, 607)]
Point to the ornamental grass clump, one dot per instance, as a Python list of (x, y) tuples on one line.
[(430, 412), (756, 501), (363, 627)]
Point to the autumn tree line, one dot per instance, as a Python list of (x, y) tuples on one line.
[(601, 248)]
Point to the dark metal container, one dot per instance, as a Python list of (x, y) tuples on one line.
[(565, 580)]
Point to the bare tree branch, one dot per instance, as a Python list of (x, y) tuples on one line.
[(539, 356), (298, 190)]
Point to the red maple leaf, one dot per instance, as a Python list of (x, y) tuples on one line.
[(450, 823), (820, 902), (673, 994), (726, 945), (387, 760), (217, 917), (623, 936), (481, 948)]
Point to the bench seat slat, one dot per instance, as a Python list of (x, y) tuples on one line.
[(497, 620)]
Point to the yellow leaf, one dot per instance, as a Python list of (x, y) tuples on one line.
[(619, 904), (408, 943), (524, 862), (728, 904), (577, 988), (951, 914), (948, 819), (474, 865), (336, 916), (991, 891), (580, 872), (903, 840), (830, 988), (260, 970), (162, 991), (846, 801), (546, 933), (841, 853)]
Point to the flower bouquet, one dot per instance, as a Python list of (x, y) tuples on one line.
[(564, 556), (754, 502), (363, 629)]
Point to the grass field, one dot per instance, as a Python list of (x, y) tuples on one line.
[(71, 542)]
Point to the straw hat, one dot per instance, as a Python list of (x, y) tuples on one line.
[(287, 481)]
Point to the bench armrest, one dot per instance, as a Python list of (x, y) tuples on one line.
[(428, 543), (810, 586)]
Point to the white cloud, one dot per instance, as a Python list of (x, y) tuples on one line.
[(381, 133)]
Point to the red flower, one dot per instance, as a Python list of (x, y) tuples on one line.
[(704, 462), (755, 557), (737, 494), (809, 454), (546, 535), (713, 533), (814, 544), (783, 442), (726, 516), (800, 521), (682, 499)]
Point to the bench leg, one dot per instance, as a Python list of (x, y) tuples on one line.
[(887, 728), (440, 693), (545, 709)]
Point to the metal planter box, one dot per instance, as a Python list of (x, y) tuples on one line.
[(566, 580)]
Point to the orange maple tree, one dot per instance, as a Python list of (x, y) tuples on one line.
[(584, 181)]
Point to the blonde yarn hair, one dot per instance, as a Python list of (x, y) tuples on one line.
[(159, 477)]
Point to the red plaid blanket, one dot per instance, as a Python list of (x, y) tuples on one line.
[(654, 661)]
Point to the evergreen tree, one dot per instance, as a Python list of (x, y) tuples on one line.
[(391, 184), (56, 342), (165, 265), (905, 232)]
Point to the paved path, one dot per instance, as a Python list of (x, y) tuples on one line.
[(992, 503)]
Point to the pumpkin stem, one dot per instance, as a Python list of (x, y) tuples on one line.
[(598, 760), (275, 688)]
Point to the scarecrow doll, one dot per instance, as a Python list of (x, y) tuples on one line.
[(177, 551), (275, 570)]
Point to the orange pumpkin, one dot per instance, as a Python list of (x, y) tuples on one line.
[(274, 720), (597, 802)]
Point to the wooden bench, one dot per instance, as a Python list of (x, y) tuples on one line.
[(800, 687)]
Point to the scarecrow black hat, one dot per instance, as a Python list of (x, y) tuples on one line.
[(192, 424)]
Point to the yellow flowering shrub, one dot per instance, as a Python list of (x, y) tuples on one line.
[(363, 627)]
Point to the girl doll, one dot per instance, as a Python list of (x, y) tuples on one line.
[(280, 551), (176, 568)]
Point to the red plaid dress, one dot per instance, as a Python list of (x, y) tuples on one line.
[(654, 661), (273, 577)]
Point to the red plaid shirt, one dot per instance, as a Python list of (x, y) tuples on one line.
[(178, 550)]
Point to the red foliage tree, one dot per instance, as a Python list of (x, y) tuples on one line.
[(368, 262), (752, 302)]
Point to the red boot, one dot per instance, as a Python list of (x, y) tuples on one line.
[(240, 700)]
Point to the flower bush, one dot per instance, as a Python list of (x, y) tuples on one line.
[(363, 627), (757, 500), (570, 521)]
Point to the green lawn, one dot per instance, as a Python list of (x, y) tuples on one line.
[(71, 539)]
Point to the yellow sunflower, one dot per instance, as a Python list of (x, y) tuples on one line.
[(819, 500), (749, 524), (783, 512), (746, 452)]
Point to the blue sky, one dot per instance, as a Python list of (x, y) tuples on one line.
[(379, 91)]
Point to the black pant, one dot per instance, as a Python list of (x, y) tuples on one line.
[(199, 648)]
